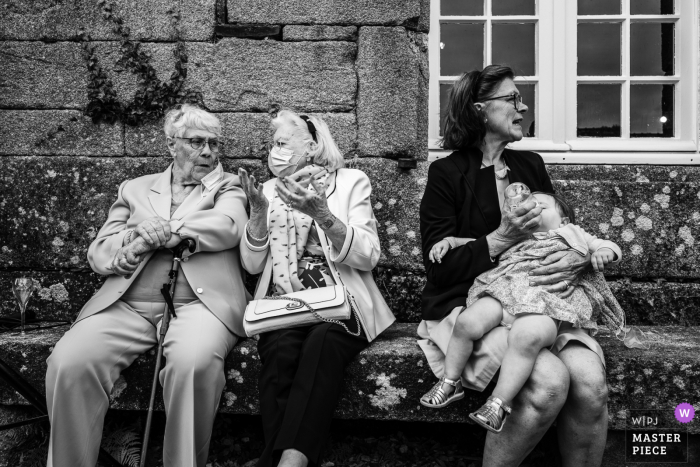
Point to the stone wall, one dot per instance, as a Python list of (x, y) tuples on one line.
[(362, 66), (52, 208)]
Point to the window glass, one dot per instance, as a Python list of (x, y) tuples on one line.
[(599, 49), (599, 7), (598, 110), (462, 7), (461, 47), (651, 47), (514, 45), (651, 7), (528, 123), (651, 111), (444, 97), (512, 7)]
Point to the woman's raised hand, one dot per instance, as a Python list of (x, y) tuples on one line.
[(304, 176), (257, 200), (520, 223), (294, 192)]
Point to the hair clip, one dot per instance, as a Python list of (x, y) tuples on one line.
[(311, 126)]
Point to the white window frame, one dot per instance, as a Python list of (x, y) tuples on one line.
[(556, 71)]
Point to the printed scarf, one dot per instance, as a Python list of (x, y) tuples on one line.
[(289, 232)]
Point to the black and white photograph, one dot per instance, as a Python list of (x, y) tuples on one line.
[(349, 233)]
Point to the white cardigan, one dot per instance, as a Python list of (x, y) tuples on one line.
[(348, 197)]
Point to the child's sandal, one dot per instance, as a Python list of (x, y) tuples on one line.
[(437, 398), (488, 415)]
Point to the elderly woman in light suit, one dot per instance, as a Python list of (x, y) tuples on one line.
[(310, 227), (194, 198)]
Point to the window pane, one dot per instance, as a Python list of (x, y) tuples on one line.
[(651, 110), (514, 45), (461, 47), (462, 7), (598, 110), (651, 7), (599, 7), (444, 96), (599, 49), (651, 49), (528, 123), (512, 7)]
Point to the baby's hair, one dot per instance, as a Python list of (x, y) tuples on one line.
[(562, 206)]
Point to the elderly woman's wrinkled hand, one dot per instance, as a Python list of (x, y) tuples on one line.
[(257, 200), (127, 259), (305, 176), (520, 223), (155, 231), (296, 196), (559, 272)]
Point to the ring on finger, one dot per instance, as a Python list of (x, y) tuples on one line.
[(566, 283)]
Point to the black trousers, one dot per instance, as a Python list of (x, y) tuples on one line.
[(300, 384)]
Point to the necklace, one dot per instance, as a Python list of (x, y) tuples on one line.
[(500, 174)]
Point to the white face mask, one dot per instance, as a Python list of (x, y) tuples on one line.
[(281, 159)]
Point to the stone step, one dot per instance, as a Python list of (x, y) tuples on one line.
[(52, 216), (386, 381), (61, 295)]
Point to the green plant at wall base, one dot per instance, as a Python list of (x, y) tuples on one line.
[(153, 96)]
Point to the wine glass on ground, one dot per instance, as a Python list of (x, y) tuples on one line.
[(23, 288), (516, 194)]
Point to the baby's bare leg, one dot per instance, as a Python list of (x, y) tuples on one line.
[(529, 334), (471, 325)]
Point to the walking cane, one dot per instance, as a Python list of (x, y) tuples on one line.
[(168, 292)]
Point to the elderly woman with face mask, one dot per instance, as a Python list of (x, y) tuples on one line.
[(311, 226), (194, 198)]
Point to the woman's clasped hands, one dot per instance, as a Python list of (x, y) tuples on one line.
[(151, 234)]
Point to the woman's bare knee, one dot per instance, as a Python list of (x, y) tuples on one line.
[(588, 386), (547, 388)]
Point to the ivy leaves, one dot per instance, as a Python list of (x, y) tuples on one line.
[(153, 97)]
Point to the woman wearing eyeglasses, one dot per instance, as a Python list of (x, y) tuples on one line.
[(312, 226), (194, 198), (463, 197)]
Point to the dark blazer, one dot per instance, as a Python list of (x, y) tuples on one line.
[(448, 210)]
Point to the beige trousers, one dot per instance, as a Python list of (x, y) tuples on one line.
[(88, 359)]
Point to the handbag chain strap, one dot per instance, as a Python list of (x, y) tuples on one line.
[(319, 317)]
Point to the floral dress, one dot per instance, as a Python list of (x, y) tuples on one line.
[(508, 283)]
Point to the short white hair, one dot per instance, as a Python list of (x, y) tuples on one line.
[(323, 151), (179, 119)]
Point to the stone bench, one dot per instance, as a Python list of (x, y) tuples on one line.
[(386, 380)]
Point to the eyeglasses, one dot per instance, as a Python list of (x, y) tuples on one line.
[(198, 143), (516, 98)]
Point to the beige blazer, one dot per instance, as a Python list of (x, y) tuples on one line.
[(214, 218), (348, 196)]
